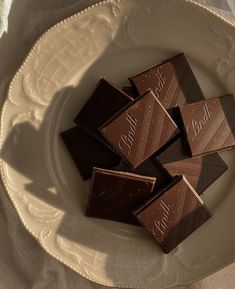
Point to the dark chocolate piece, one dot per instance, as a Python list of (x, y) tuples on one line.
[(209, 125), (105, 100), (114, 195), (149, 168), (201, 172), (176, 151), (87, 151), (172, 81), (140, 129), (174, 214), (174, 112), (130, 91)]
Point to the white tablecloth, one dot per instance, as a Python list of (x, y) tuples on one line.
[(23, 264)]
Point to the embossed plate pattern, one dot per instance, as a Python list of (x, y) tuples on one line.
[(115, 39)]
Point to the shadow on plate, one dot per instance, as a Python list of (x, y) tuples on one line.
[(28, 150)]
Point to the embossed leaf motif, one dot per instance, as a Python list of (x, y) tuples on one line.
[(68, 249), (44, 234), (129, 33), (78, 25), (22, 117), (115, 9), (30, 91), (32, 116), (98, 27), (44, 43), (36, 62), (38, 51), (38, 114), (11, 184), (44, 215)]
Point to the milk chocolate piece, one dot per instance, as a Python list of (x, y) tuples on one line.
[(87, 151), (114, 195), (174, 214), (209, 125), (149, 168), (201, 172), (172, 81), (105, 100), (140, 129)]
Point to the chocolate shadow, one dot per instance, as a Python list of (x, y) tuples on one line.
[(228, 106), (40, 184)]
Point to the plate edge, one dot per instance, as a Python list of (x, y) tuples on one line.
[(4, 184)]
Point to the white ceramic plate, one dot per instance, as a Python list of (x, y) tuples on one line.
[(113, 39)]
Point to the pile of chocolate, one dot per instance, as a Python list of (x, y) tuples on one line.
[(151, 150)]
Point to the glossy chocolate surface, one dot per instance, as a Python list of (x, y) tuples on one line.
[(201, 172), (140, 129), (173, 215), (172, 81), (114, 195), (87, 152), (209, 125), (149, 168), (105, 100)]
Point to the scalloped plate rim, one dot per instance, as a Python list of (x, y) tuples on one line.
[(4, 185)]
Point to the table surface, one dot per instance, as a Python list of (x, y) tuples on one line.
[(22, 261)]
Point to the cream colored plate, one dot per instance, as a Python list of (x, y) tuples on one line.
[(113, 39)]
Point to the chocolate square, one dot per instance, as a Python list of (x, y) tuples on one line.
[(149, 168), (141, 129), (114, 195), (209, 125), (174, 214), (87, 151), (201, 172), (172, 81), (106, 99), (130, 91)]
